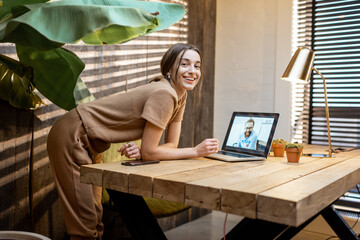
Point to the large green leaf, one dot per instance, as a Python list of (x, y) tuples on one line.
[(15, 84), (94, 21), (166, 13), (82, 93), (56, 73), (8, 4)]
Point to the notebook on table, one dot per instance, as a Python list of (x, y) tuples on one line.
[(248, 137)]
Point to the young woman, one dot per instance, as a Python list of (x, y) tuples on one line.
[(143, 113)]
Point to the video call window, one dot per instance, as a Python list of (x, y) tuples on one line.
[(250, 133)]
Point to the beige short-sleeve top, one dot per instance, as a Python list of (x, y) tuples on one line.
[(122, 117)]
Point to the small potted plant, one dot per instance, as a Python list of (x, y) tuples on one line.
[(293, 152), (278, 147)]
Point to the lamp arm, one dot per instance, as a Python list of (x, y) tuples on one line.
[(326, 109)]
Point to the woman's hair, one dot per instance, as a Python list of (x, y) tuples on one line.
[(175, 52)]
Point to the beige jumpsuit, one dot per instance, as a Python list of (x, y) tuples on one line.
[(80, 135)]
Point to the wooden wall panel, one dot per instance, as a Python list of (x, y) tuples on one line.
[(205, 110), (198, 120), (15, 152)]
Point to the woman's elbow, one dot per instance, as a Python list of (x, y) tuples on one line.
[(148, 155)]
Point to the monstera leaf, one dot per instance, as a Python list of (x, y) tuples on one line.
[(39, 30)]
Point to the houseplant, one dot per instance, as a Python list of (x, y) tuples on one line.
[(278, 147), (293, 152), (39, 36)]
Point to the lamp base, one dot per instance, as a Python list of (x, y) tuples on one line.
[(317, 155)]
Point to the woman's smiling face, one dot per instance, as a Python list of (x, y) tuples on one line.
[(188, 73)]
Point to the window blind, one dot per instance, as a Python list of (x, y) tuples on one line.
[(302, 36), (336, 42), (332, 29)]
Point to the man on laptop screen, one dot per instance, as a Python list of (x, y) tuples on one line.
[(248, 137)]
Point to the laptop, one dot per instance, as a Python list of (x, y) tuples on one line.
[(248, 137)]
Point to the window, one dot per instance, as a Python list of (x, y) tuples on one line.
[(332, 29), (302, 36)]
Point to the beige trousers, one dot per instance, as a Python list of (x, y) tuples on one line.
[(68, 148)]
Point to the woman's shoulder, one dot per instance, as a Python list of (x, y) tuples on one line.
[(162, 85)]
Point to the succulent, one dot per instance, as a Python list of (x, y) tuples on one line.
[(279, 141), (293, 145)]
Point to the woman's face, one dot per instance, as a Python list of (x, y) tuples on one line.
[(189, 72)]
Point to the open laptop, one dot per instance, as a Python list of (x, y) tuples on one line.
[(248, 137)]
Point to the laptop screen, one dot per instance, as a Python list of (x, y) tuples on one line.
[(251, 133)]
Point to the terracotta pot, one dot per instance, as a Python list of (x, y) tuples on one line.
[(278, 149), (293, 154)]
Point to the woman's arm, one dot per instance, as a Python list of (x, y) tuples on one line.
[(151, 150)]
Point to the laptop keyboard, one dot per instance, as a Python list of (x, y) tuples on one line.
[(235, 154)]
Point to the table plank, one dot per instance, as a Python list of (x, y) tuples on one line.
[(141, 182), (92, 173), (240, 198), (296, 201), (206, 192), (172, 186)]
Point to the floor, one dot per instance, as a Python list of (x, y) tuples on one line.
[(207, 227), (211, 226)]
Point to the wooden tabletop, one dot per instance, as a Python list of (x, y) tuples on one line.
[(272, 190)]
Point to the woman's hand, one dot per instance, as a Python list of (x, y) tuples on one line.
[(207, 147), (130, 150)]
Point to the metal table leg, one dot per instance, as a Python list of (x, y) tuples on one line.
[(137, 216), (338, 224)]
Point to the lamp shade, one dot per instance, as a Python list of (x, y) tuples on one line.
[(300, 65)]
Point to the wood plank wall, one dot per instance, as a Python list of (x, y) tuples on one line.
[(29, 200), (198, 120)]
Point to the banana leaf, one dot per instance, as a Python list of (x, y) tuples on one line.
[(47, 25), (82, 93), (6, 5), (56, 73), (16, 86)]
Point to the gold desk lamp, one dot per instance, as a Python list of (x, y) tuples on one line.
[(299, 69)]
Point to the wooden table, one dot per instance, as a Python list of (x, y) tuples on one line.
[(271, 191)]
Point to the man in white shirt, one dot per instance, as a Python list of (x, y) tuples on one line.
[(248, 138)]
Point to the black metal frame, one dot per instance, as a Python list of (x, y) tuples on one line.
[(137, 216), (142, 225), (259, 229)]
